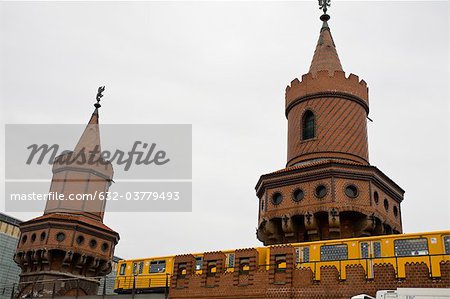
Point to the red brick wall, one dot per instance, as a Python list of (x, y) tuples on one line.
[(300, 283)]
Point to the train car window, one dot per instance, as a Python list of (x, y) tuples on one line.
[(230, 260), (134, 268), (302, 255), (141, 267), (364, 250), (333, 252), (123, 267), (376, 249), (157, 266), (447, 244), (411, 247), (198, 263)]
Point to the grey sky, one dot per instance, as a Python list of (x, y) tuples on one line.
[(223, 67)]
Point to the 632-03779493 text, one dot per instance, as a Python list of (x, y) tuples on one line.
[(110, 196)]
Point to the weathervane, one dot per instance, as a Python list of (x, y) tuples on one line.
[(324, 4), (99, 96)]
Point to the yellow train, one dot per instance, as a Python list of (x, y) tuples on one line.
[(153, 274)]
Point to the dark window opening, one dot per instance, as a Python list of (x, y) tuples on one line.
[(333, 252), (182, 270), (157, 266), (298, 195), (123, 267), (60, 237), (411, 247), (308, 125), (211, 269), (93, 243), (244, 266), (80, 240), (280, 263), (198, 263), (351, 191), (277, 198), (447, 244), (321, 191)]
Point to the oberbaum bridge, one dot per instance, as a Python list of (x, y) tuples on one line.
[(330, 221)]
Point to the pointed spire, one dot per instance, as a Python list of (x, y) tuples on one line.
[(325, 56), (90, 139)]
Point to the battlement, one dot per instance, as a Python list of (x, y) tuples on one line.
[(323, 83)]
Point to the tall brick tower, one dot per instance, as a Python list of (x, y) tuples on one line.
[(328, 189), (68, 248)]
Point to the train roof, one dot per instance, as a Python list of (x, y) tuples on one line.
[(331, 242)]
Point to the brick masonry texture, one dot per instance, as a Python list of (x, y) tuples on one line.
[(300, 283)]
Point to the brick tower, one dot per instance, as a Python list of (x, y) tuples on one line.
[(69, 248), (328, 189)]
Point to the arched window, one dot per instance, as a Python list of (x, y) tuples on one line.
[(308, 125)]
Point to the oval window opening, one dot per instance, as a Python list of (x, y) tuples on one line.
[(351, 191), (321, 191), (277, 198), (299, 195)]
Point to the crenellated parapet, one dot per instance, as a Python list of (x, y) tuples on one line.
[(325, 85)]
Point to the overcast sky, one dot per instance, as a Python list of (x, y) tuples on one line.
[(223, 67)]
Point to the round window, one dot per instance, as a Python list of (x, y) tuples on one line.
[(105, 246), (24, 238), (60, 237), (351, 191), (80, 240), (395, 211), (43, 235), (33, 237), (376, 198), (298, 195), (386, 204), (321, 191), (93, 243), (277, 198)]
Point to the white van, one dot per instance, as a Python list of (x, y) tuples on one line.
[(362, 296), (414, 293)]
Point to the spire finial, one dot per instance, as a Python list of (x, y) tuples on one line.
[(99, 96), (324, 4)]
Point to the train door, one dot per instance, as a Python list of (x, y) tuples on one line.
[(370, 251)]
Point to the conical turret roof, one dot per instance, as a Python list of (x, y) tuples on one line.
[(325, 56), (90, 139)]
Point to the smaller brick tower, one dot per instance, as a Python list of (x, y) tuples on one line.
[(68, 248), (328, 189)]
